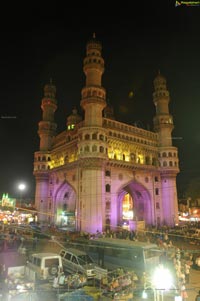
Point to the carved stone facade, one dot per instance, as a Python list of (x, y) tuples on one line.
[(100, 173)]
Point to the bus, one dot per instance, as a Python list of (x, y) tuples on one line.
[(130, 255)]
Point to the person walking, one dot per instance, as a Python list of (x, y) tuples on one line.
[(187, 272), (56, 281), (184, 294)]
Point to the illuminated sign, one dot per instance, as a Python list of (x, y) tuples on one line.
[(7, 202), (188, 3)]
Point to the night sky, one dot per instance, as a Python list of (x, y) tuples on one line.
[(44, 41)]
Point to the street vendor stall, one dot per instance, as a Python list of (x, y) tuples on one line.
[(18, 284), (119, 283)]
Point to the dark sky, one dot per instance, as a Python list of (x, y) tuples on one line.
[(44, 41)]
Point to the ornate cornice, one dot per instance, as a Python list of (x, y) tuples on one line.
[(41, 176), (92, 163)]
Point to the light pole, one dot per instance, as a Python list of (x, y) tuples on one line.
[(161, 281), (147, 290), (21, 188)]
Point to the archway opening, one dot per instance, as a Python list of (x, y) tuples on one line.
[(134, 205), (127, 210), (65, 207)]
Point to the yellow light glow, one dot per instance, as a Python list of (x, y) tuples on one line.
[(131, 94), (110, 155), (162, 278), (62, 161), (70, 126), (127, 158), (127, 207), (52, 164), (140, 159), (72, 158)]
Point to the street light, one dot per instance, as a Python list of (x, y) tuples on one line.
[(160, 281), (21, 188)]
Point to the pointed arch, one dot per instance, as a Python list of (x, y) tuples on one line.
[(65, 200), (142, 202)]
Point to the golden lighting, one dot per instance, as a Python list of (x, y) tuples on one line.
[(62, 161), (127, 158), (73, 157), (110, 154), (117, 154), (127, 207), (131, 94), (71, 127), (140, 159), (52, 164)]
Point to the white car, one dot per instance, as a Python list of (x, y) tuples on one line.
[(78, 261), (45, 265)]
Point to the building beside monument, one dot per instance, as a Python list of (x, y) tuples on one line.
[(100, 173)]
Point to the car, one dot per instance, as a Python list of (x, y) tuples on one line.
[(78, 261), (45, 265)]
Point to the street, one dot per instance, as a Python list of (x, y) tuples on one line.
[(45, 292), (194, 285)]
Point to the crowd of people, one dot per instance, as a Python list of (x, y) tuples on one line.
[(168, 240)]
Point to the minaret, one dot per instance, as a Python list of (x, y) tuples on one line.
[(93, 94), (163, 121), (92, 145), (47, 127), (46, 132), (168, 155)]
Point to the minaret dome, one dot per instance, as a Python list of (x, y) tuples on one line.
[(93, 44), (50, 91), (159, 80)]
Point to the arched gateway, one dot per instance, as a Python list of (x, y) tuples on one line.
[(64, 209), (134, 204), (99, 169)]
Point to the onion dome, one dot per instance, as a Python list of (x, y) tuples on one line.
[(108, 112), (73, 119)]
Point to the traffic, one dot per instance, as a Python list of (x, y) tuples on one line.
[(107, 266)]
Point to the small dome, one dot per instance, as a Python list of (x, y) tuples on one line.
[(108, 111), (74, 118)]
